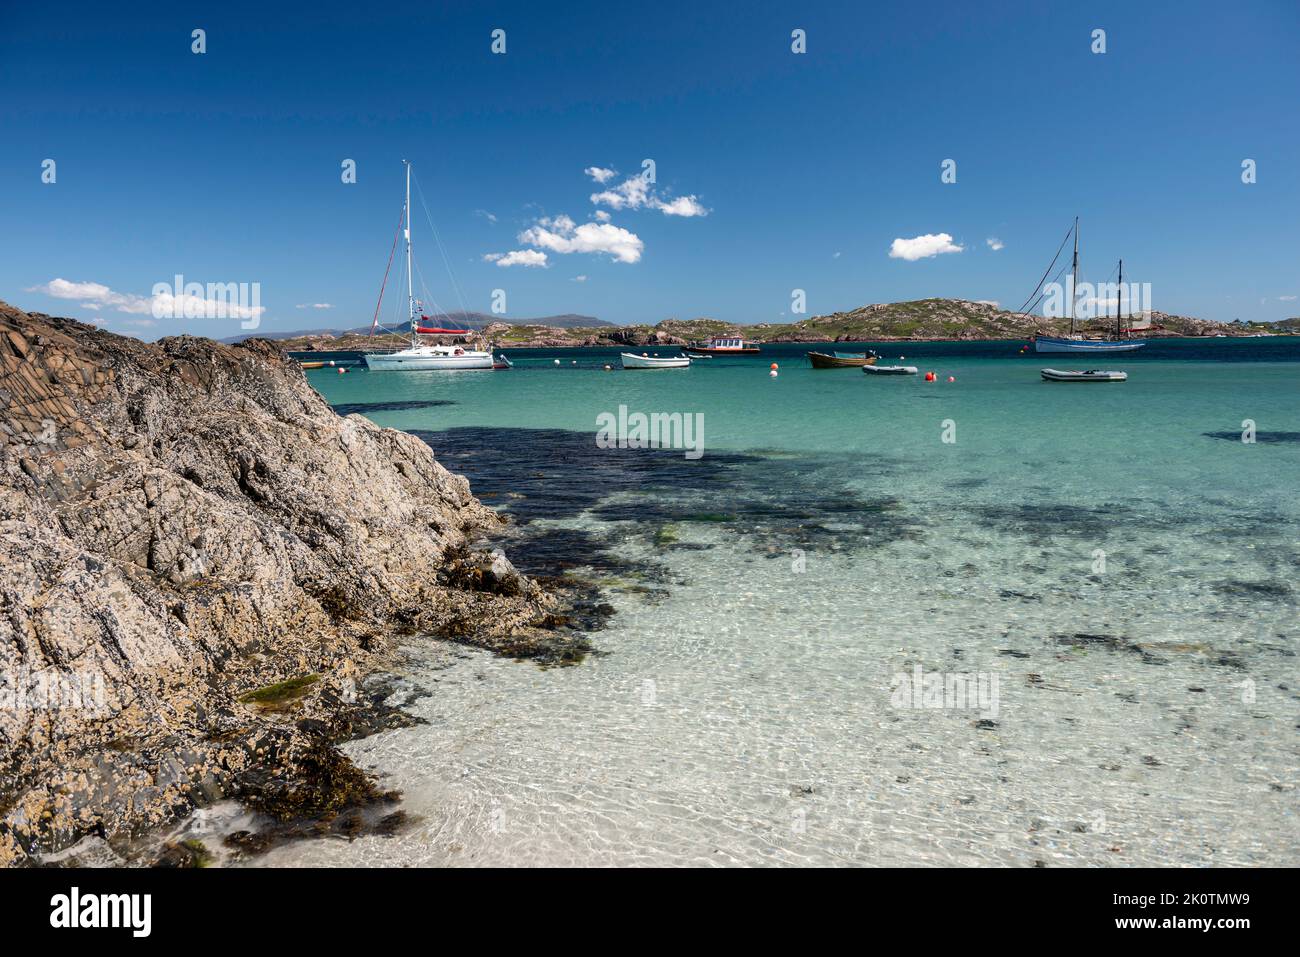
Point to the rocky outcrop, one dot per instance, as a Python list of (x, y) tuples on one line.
[(640, 337), (184, 525)]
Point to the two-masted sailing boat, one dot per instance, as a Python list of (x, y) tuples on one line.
[(421, 357), (1075, 342)]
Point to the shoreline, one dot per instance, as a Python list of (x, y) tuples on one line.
[(925, 320), (361, 344)]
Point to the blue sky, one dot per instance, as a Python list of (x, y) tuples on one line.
[(225, 167)]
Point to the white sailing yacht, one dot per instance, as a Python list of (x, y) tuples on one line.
[(421, 357)]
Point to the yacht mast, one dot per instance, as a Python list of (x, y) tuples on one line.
[(1119, 302), (1074, 281), (410, 284)]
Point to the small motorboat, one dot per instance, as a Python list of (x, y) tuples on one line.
[(1090, 375), (632, 361), (501, 363), (890, 370), (696, 355), (841, 360)]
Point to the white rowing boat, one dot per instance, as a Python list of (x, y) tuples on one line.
[(1090, 375), (889, 370), (631, 361)]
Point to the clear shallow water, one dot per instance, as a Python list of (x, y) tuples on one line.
[(1129, 581)]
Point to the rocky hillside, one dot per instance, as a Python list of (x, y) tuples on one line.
[(927, 319), (200, 562), (924, 320)]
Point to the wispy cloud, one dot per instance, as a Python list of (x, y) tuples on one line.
[(922, 247), (96, 296), (636, 192), (994, 243), (517, 257), (1286, 298), (314, 305), (578, 279), (490, 217)]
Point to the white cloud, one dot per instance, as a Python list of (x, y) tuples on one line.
[(562, 223), (629, 194), (187, 305), (635, 192), (517, 257), (922, 247), (490, 217), (836, 254), (602, 216), (561, 235), (314, 305), (994, 243), (94, 295), (600, 174), (681, 206), (165, 305), (1286, 298), (578, 279)]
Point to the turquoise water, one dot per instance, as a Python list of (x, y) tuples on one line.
[(1113, 555)]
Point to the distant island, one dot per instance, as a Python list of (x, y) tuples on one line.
[(471, 320), (919, 320)]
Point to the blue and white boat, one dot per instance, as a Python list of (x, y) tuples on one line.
[(1119, 342), (1080, 344)]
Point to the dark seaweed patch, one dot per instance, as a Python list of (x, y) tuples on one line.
[(555, 474), (348, 408), (1111, 642), (552, 552), (561, 473), (1046, 520), (1244, 589), (1267, 438)]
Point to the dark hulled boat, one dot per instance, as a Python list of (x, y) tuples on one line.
[(842, 360)]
